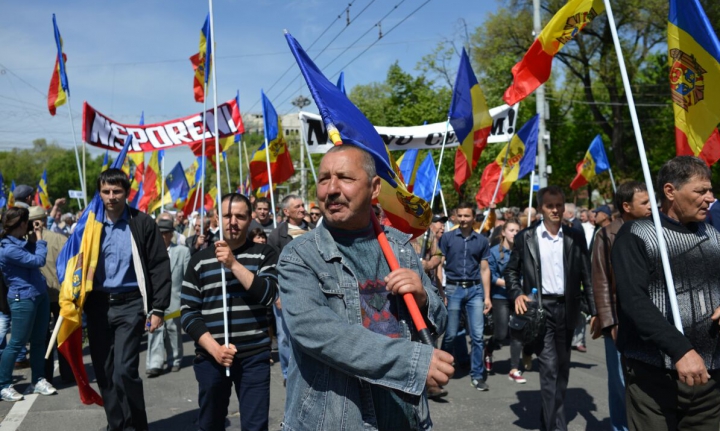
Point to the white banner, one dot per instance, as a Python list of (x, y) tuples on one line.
[(429, 136)]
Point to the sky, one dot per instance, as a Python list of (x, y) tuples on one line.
[(127, 57)]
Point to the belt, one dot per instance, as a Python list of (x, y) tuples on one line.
[(119, 298), (464, 283), (560, 299)]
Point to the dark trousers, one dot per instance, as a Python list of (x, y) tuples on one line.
[(251, 377), (114, 332), (501, 317), (554, 361), (66, 374), (656, 400)]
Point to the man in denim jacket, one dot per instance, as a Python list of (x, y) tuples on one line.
[(354, 366)]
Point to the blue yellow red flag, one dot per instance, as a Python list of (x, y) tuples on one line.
[(595, 162), (409, 163), (470, 119), (11, 195), (59, 87), (520, 162), (201, 62), (42, 192), (151, 183), (694, 57), (347, 125), (281, 166), (75, 266), (535, 67)]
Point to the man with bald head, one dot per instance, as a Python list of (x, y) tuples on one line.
[(350, 331)]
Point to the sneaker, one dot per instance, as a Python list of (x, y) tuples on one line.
[(43, 387), (479, 384), (488, 363), (527, 362), (517, 377), (10, 394)]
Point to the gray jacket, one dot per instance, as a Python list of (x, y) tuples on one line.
[(335, 358), (179, 259)]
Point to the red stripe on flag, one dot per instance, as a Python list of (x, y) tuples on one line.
[(711, 150), (579, 180), (529, 73), (71, 349), (488, 183)]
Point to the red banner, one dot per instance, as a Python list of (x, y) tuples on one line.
[(103, 132)]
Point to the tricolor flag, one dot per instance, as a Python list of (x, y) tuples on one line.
[(106, 163), (43, 199), (59, 87), (136, 184), (408, 164), (595, 162), (11, 195), (471, 121), (281, 166), (534, 69), (177, 189), (694, 56), (75, 268), (520, 162), (201, 62), (151, 183), (347, 125)]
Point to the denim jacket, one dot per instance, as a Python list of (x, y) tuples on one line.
[(335, 358)]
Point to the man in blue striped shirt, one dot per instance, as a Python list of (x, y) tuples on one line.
[(251, 281)]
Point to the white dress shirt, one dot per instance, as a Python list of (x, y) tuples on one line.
[(551, 261)]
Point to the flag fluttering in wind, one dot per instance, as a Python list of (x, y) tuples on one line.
[(694, 56), (281, 165), (75, 269), (341, 82), (201, 62), (106, 163), (43, 199), (59, 87), (471, 121), (347, 125), (426, 174), (535, 67), (11, 195), (151, 183), (520, 162), (595, 162), (177, 189), (408, 164)]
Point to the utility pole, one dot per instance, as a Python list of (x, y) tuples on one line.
[(300, 102), (540, 109)]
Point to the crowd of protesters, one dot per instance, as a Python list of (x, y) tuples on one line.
[(312, 286)]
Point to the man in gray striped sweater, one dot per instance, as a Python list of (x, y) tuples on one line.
[(672, 378), (251, 281)]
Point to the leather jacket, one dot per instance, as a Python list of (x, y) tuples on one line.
[(603, 277), (523, 271)]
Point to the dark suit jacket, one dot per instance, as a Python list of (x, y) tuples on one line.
[(523, 271)]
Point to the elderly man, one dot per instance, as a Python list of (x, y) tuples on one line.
[(23, 196), (168, 338), (349, 328), (672, 377), (177, 238)]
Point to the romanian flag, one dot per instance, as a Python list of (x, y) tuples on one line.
[(106, 163), (408, 164), (281, 167), (190, 205), (521, 152), (42, 197), (75, 269), (201, 62), (694, 56), (151, 183), (59, 88), (11, 195), (3, 199), (136, 184), (471, 121), (595, 162), (534, 69), (347, 125)]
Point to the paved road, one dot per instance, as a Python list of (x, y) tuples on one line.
[(171, 401)]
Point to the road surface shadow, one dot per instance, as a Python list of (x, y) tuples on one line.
[(577, 403)]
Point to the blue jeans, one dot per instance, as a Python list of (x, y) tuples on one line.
[(473, 299), (4, 329), (616, 387), (283, 341), (30, 319), (251, 377)]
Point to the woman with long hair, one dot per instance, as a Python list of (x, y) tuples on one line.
[(499, 258), (20, 263)]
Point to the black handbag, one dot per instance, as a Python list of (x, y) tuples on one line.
[(529, 328)]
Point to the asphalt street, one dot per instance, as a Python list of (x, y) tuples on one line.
[(171, 400)]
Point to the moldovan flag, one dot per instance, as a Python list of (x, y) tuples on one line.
[(151, 183), (43, 199), (595, 162), (471, 121), (281, 166), (694, 56), (136, 184), (75, 269), (347, 125), (59, 87), (534, 69), (520, 162), (201, 62)]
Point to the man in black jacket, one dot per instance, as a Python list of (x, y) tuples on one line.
[(554, 259), (131, 290)]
